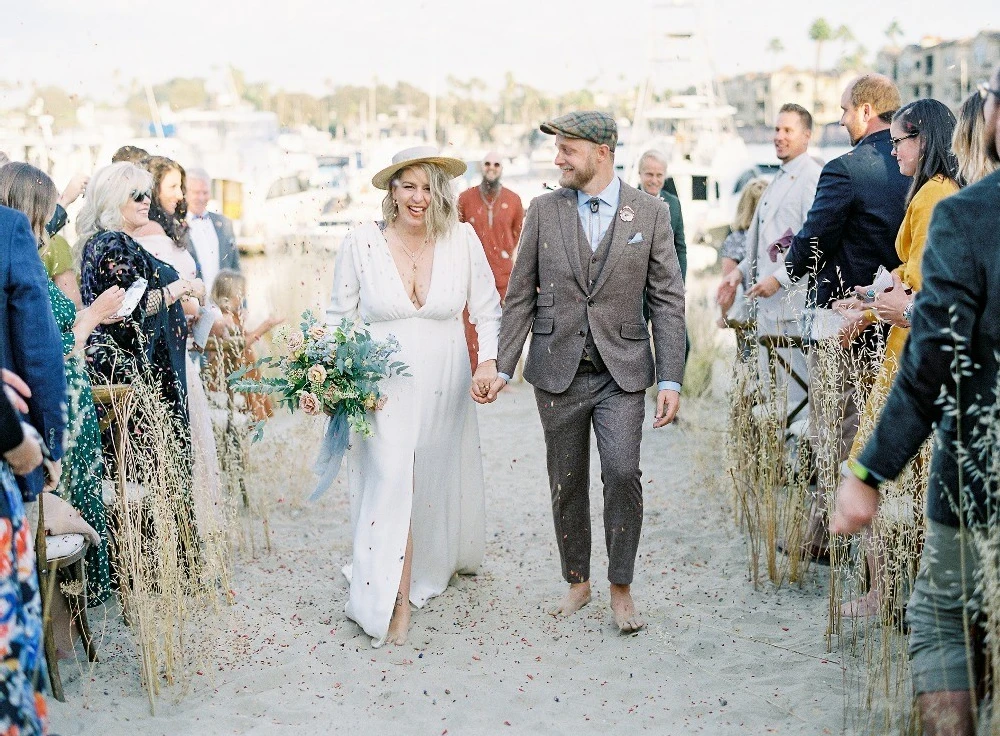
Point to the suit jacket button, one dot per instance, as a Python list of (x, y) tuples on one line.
[(590, 302), (583, 333), (594, 259)]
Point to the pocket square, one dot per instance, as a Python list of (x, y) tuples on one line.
[(637, 238)]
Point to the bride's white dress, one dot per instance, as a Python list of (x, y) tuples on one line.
[(422, 467)]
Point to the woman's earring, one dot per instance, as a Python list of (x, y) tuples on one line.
[(395, 209)]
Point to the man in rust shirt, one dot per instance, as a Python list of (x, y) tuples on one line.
[(496, 214)]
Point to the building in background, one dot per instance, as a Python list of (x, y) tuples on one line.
[(945, 70), (757, 96)]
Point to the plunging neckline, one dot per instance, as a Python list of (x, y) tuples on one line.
[(399, 276)]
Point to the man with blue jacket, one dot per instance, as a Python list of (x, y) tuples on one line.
[(30, 343)]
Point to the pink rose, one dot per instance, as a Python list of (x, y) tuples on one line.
[(317, 332), (310, 403), (316, 374), (295, 340)]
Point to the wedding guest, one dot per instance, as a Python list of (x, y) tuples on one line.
[(165, 236), (25, 188), (151, 342), (211, 234), (921, 143), (968, 142), (69, 195), (22, 705), (652, 178), (58, 261), (731, 253), (496, 214), (417, 483), (130, 154), (30, 344), (849, 232), (232, 349), (954, 319)]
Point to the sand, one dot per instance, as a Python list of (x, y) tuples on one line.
[(717, 656)]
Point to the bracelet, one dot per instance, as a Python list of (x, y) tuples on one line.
[(852, 468)]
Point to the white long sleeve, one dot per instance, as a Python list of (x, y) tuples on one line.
[(345, 300), (483, 298)]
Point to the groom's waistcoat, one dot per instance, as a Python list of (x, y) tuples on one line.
[(577, 302)]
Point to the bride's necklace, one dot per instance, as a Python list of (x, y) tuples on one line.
[(489, 204), (414, 256)]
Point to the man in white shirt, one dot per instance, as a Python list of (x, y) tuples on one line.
[(779, 305), (211, 234)]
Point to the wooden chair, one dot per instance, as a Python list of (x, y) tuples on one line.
[(61, 571)]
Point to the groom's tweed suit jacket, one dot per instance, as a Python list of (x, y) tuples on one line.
[(550, 294)]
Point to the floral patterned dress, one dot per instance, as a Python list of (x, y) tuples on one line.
[(22, 707), (83, 466)]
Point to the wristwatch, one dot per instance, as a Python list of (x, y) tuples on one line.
[(908, 313), (852, 468)]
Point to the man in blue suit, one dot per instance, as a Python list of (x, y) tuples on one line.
[(30, 343), (849, 232), (955, 320)]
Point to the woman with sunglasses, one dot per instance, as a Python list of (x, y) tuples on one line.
[(25, 188), (150, 343), (165, 236), (921, 134)]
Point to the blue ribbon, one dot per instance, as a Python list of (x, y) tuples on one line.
[(331, 454)]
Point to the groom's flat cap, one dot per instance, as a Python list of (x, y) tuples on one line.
[(589, 125)]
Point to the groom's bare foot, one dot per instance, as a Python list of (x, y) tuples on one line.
[(576, 598), (399, 626), (626, 617)]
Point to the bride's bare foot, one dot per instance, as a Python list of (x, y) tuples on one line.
[(576, 598), (867, 606), (399, 626), (626, 617)]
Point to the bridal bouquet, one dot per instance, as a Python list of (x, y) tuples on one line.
[(322, 370)]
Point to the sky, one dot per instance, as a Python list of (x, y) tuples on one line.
[(91, 47)]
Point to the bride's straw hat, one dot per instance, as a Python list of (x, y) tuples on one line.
[(418, 155)]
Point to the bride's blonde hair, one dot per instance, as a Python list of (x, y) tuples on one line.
[(442, 213)]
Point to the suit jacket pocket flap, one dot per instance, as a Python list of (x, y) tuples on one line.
[(635, 332), (542, 325), (546, 299)]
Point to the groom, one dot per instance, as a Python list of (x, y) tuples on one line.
[(590, 253)]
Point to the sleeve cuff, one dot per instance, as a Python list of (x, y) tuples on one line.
[(782, 275), (504, 376), (668, 386)]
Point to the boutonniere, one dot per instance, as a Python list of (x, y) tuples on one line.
[(626, 213)]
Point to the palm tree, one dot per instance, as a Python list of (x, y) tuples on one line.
[(775, 47), (894, 32), (819, 33)]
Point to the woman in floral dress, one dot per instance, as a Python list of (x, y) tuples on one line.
[(25, 188)]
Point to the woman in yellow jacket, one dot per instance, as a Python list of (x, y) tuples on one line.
[(921, 134)]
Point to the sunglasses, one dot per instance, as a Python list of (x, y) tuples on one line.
[(985, 90), (138, 196), (896, 141)]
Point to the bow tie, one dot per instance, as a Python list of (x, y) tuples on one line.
[(200, 217)]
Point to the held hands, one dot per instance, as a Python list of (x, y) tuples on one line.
[(668, 402), (196, 288), (856, 506), (483, 381)]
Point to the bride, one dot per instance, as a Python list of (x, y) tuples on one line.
[(416, 485)]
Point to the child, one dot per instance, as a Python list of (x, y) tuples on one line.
[(232, 350)]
